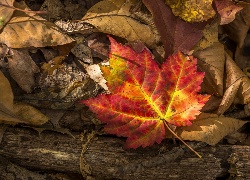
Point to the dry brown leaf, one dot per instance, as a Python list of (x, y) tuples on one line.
[(242, 55), (22, 69), (114, 17), (210, 128), (237, 30), (210, 36), (30, 114), (227, 10), (6, 102), (15, 113), (23, 31), (6, 12), (237, 88), (211, 61), (210, 53)]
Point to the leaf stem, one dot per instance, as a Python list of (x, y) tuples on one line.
[(181, 140)]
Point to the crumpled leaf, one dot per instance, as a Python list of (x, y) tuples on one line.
[(176, 34), (227, 10), (30, 114), (210, 53), (192, 10), (237, 86), (114, 17), (95, 73), (210, 128), (6, 101), (6, 12), (18, 70), (238, 29), (25, 31), (14, 113), (149, 96)]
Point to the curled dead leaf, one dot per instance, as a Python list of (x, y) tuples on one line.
[(30, 114), (22, 69), (210, 53), (114, 17), (15, 113), (237, 86), (25, 31), (227, 10), (211, 61), (6, 12), (210, 128)]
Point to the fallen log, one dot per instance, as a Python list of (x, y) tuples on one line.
[(103, 157)]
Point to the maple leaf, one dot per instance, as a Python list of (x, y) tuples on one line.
[(144, 97)]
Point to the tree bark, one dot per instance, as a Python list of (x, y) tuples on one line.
[(103, 157)]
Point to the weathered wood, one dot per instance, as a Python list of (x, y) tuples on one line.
[(105, 158), (10, 171), (240, 162)]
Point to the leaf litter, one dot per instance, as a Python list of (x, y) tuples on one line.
[(224, 81)]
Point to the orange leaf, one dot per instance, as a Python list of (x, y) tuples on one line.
[(148, 95)]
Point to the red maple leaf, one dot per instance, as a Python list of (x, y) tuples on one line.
[(144, 96)]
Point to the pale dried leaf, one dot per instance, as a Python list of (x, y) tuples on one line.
[(6, 12), (24, 31), (237, 86), (114, 17), (22, 69), (30, 114), (95, 73), (210, 128)]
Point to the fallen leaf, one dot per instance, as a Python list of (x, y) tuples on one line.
[(210, 128), (114, 17), (149, 95), (227, 10), (6, 102), (99, 44), (192, 10), (237, 30), (237, 88), (211, 55), (15, 113), (212, 62), (30, 114), (22, 69), (25, 31), (6, 12), (82, 52), (95, 73), (176, 34)]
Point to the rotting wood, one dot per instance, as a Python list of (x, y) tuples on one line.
[(58, 152)]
